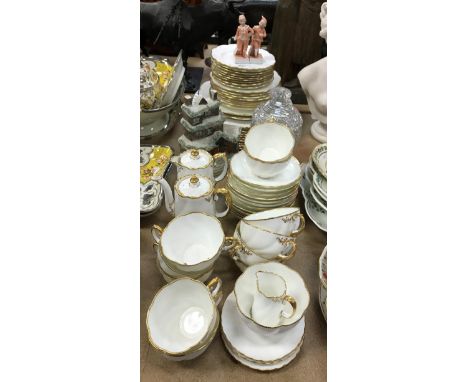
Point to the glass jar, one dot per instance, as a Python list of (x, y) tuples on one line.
[(280, 109)]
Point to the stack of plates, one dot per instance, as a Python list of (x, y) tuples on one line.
[(314, 186), (251, 193), (262, 350), (241, 87)]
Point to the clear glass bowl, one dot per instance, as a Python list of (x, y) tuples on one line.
[(280, 109)]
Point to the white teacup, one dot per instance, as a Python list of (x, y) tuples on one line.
[(286, 221), (263, 242), (191, 243), (271, 304), (183, 318), (248, 257), (268, 147), (170, 275)]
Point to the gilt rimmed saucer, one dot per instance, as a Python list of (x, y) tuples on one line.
[(257, 343)]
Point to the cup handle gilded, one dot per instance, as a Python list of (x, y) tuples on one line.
[(214, 287), (227, 199), (232, 243), (223, 157), (291, 254), (293, 303), (156, 232), (301, 226)]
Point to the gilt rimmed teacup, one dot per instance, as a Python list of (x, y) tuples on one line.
[(263, 242), (247, 256), (286, 221), (190, 244), (268, 147), (183, 317)]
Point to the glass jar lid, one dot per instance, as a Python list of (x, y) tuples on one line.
[(195, 159), (193, 186)]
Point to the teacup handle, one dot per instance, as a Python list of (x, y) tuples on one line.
[(227, 199), (301, 226), (233, 243), (156, 231), (291, 254), (293, 303), (223, 157), (215, 289)]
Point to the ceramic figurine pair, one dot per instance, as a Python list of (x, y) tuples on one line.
[(242, 37)]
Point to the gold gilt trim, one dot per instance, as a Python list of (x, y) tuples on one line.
[(192, 348), (283, 159), (271, 327), (179, 181), (185, 264), (188, 152), (231, 347)]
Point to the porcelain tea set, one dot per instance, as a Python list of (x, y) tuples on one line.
[(314, 186), (262, 320)]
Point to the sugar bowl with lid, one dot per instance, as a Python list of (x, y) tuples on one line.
[(194, 193), (199, 162), (183, 318)]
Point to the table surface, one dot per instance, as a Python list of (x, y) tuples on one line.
[(216, 364)]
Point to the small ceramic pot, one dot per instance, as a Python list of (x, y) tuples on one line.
[(190, 244), (284, 221), (183, 318), (268, 147), (194, 194), (264, 243), (201, 163), (271, 304)]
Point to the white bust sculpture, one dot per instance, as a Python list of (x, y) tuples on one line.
[(313, 79)]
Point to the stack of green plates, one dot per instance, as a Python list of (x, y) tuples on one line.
[(251, 193)]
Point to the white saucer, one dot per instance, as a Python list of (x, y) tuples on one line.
[(256, 366), (319, 158), (316, 214), (263, 345), (317, 197), (320, 185), (242, 171)]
